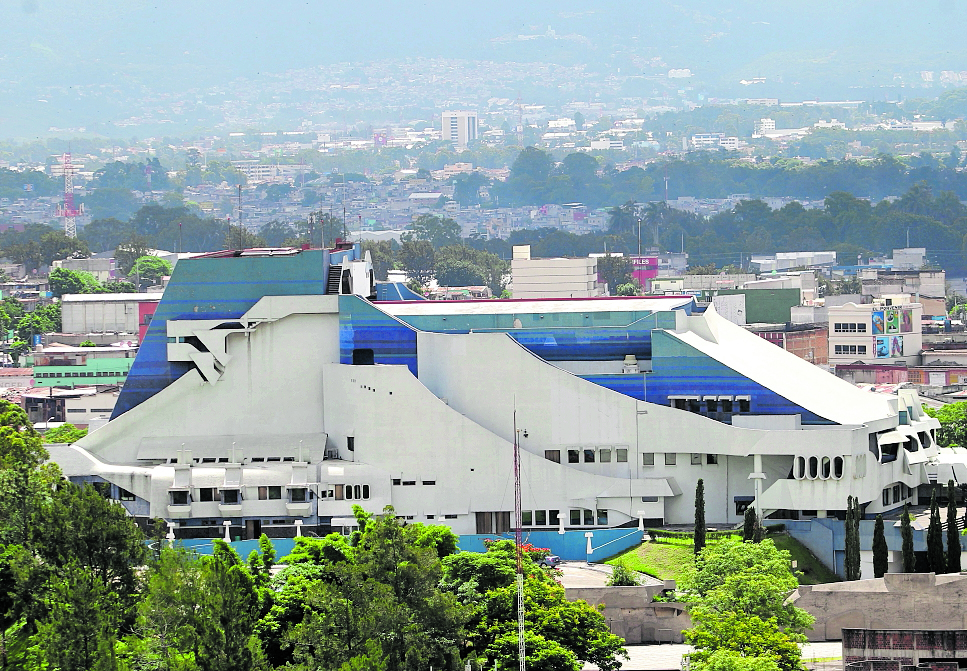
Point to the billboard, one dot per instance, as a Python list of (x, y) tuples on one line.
[(886, 347), (644, 268), (906, 322), (879, 326), (892, 321)]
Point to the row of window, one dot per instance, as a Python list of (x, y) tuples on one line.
[(232, 497), (671, 459), (813, 468), (849, 349), (589, 455), (91, 410), (540, 518), (83, 374), (345, 492), (899, 493), (727, 404), (410, 483), (849, 327), (104, 489), (604, 456), (585, 517)]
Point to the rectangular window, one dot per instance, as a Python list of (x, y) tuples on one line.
[(696, 459), (338, 492), (648, 459), (621, 455), (351, 443), (449, 517), (553, 455), (298, 495), (604, 456), (76, 410), (670, 458), (861, 328), (554, 517), (431, 517), (409, 483), (745, 404), (540, 518), (861, 349), (589, 456), (726, 404), (711, 459), (588, 517), (711, 405), (526, 518), (649, 499), (573, 456), (179, 498), (206, 494), (602, 517), (396, 481), (125, 495), (896, 494), (886, 496), (429, 483), (575, 518), (230, 497)]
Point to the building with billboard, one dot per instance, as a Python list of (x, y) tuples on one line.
[(879, 333), (273, 392)]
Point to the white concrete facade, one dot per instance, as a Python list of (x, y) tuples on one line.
[(276, 437), (875, 333)]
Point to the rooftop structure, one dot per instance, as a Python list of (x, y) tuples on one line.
[(621, 405)]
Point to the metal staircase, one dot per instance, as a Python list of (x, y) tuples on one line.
[(334, 279)]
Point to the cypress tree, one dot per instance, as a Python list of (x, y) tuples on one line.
[(749, 524), (852, 561), (881, 553), (953, 534), (699, 516), (935, 553), (906, 534)]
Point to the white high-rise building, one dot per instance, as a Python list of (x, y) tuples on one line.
[(459, 128)]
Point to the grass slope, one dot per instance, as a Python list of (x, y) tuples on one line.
[(671, 558)]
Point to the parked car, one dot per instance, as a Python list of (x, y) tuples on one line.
[(550, 561)]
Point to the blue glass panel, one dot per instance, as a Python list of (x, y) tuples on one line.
[(629, 384), (363, 326)]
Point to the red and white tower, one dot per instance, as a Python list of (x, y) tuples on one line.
[(68, 210)]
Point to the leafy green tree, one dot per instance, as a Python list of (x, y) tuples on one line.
[(622, 576), (129, 251), (56, 246), (65, 433), (383, 256), (614, 270), (79, 631), (742, 635), (906, 535), (953, 533), (699, 516), (935, 552), (881, 553), (33, 324), (51, 312), (953, 423), (63, 281), (239, 237), (752, 578), (230, 610), (453, 273), (418, 259), (150, 269), (439, 231)]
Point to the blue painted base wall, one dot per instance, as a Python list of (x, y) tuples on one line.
[(571, 545)]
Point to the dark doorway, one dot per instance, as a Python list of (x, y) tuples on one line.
[(253, 529)]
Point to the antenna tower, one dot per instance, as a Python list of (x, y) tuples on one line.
[(68, 211), (518, 541)]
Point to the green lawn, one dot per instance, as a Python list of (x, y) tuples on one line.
[(671, 558)]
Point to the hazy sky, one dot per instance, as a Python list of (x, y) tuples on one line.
[(175, 45)]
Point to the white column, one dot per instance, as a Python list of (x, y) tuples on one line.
[(228, 536)]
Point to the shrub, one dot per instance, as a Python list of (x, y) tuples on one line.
[(622, 576)]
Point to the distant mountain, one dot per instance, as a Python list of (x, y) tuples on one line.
[(819, 48)]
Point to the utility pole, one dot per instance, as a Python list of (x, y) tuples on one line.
[(239, 217), (518, 541)]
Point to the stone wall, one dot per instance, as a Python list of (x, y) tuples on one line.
[(895, 601), (632, 614)]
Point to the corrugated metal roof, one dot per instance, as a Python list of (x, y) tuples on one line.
[(503, 307)]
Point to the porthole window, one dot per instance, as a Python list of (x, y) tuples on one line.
[(826, 467), (800, 468), (813, 467), (838, 464)]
